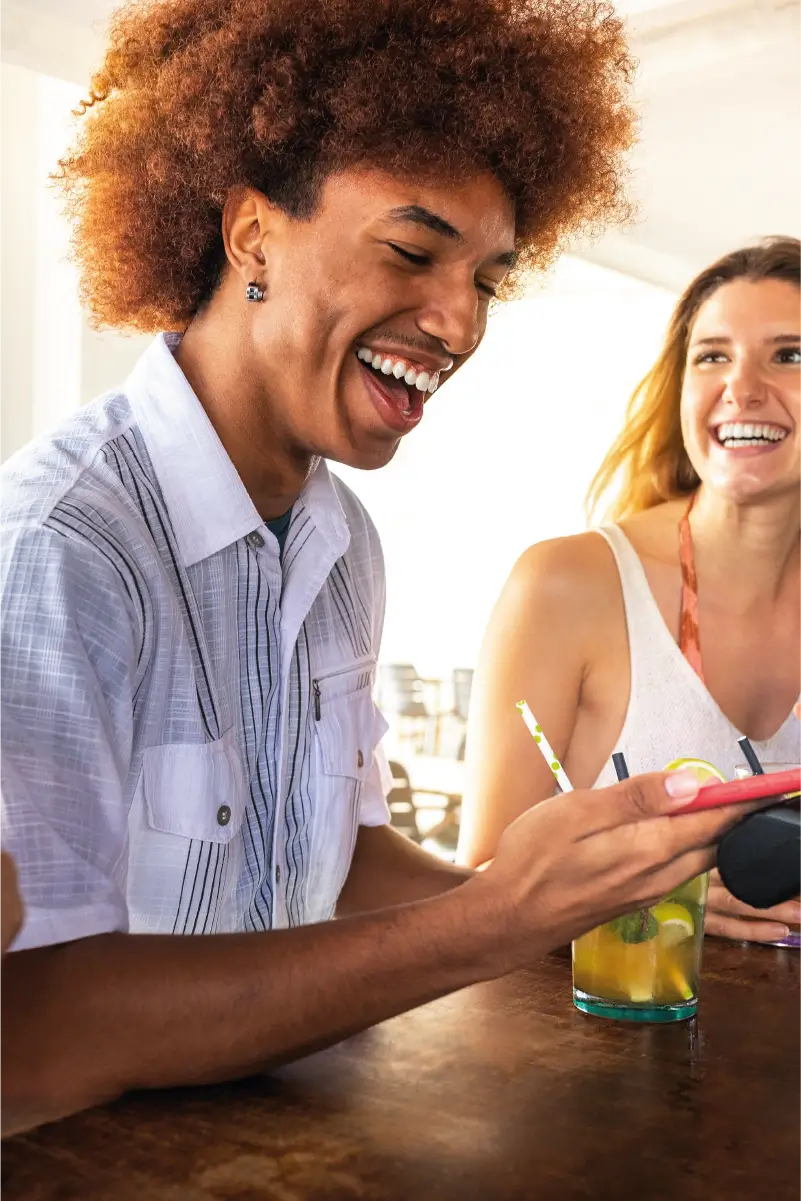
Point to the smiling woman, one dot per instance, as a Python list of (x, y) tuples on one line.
[(674, 629), (651, 460)]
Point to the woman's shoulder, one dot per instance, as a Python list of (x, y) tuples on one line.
[(575, 559), (577, 572)]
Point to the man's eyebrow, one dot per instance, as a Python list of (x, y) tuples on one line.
[(415, 214)]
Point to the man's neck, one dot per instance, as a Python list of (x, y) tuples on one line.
[(215, 361)]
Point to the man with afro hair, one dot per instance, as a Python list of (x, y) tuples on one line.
[(312, 206)]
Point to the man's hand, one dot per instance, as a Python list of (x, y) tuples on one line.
[(575, 861), (11, 905), (729, 918)]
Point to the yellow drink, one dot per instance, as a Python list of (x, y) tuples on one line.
[(646, 965)]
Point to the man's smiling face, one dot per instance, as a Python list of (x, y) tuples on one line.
[(372, 303)]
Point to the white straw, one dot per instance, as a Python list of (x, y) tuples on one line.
[(545, 747)]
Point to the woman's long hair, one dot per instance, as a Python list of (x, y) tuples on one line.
[(648, 458)]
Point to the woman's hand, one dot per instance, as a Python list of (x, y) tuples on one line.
[(729, 918), (11, 910)]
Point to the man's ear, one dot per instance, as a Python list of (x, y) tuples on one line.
[(249, 223)]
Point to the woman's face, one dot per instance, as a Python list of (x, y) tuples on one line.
[(740, 396)]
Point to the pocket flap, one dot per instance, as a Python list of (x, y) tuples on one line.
[(195, 790), (349, 727)]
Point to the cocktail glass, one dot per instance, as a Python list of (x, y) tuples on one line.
[(646, 965)]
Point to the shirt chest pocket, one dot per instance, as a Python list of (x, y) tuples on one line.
[(347, 727), (347, 723), (195, 791), (185, 848)]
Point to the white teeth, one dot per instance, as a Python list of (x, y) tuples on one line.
[(742, 431), (424, 381)]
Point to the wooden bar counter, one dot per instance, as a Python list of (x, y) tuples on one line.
[(500, 1092)]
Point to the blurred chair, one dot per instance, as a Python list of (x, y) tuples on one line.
[(400, 693), (403, 815), (462, 688)]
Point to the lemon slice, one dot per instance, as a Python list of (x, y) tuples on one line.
[(674, 921), (703, 770)]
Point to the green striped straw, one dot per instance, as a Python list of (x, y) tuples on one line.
[(544, 745)]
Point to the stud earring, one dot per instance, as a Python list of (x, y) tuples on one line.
[(254, 292)]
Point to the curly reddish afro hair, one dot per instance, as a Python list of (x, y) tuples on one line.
[(196, 97)]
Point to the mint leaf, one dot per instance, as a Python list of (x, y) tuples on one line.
[(640, 926)]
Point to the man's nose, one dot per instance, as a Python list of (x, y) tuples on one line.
[(452, 313)]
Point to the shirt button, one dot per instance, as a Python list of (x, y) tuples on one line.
[(278, 875), (255, 540), (360, 760), (223, 815)]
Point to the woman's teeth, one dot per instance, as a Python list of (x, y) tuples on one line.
[(424, 381), (740, 433)]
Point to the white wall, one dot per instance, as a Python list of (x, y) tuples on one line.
[(19, 162), (51, 360)]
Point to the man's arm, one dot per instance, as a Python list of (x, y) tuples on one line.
[(89, 1020), (86, 1021), (10, 903), (389, 869)]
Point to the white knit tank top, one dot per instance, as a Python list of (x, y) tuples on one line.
[(670, 714)]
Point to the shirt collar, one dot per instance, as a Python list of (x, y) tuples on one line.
[(208, 504)]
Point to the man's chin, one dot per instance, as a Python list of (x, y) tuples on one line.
[(366, 458)]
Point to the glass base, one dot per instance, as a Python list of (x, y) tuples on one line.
[(620, 1012)]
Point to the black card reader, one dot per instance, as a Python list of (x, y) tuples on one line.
[(759, 859)]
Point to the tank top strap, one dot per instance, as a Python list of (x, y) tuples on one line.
[(649, 638)]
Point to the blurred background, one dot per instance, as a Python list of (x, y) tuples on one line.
[(506, 452)]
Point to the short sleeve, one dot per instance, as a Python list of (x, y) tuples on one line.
[(373, 807), (66, 673)]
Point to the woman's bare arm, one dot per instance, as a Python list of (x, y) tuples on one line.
[(538, 647)]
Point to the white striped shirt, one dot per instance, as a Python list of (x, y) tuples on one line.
[(189, 740)]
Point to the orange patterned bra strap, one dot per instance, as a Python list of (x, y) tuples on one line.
[(689, 636)]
